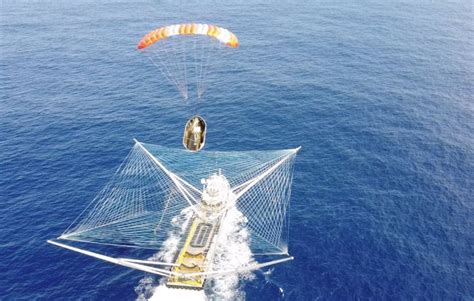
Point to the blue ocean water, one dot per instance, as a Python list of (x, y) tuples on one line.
[(378, 93)]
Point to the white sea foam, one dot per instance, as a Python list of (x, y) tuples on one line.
[(164, 293), (179, 224), (145, 288), (232, 252), (148, 288)]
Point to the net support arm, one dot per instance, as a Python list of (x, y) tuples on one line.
[(148, 262), (134, 264), (251, 267), (119, 261), (252, 182), (176, 180)]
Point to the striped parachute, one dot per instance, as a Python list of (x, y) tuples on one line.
[(185, 53)]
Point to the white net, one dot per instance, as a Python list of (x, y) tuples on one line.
[(155, 184)]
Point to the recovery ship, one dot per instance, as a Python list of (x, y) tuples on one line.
[(198, 250), (156, 186)]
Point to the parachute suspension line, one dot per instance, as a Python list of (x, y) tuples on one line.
[(171, 45), (209, 65), (201, 66), (195, 63), (171, 56), (179, 59), (183, 55), (204, 55), (157, 58), (204, 70), (164, 70)]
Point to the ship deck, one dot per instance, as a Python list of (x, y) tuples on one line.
[(193, 257)]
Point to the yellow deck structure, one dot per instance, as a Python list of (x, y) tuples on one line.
[(192, 257)]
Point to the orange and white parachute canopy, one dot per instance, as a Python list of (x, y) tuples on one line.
[(186, 60), (221, 34)]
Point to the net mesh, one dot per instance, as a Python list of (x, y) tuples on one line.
[(155, 184)]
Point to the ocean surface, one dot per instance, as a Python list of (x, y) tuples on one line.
[(379, 94)]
